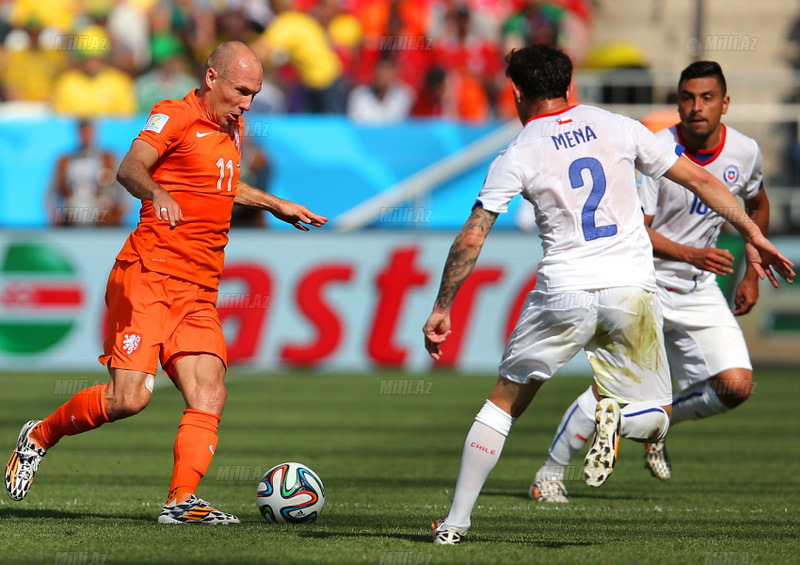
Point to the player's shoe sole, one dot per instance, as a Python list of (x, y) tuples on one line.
[(445, 535), (657, 461), (548, 490), (195, 511), (602, 455), (23, 463)]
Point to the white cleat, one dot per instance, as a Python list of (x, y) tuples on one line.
[(445, 535), (195, 511), (23, 463), (602, 456), (657, 460), (548, 490)]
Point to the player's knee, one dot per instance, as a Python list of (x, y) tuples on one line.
[(644, 422), (735, 398), (209, 397), (124, 406), (732, 392)]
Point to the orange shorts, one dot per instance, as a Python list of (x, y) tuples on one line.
[(154, 317)]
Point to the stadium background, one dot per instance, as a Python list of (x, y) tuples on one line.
[(353, 296)]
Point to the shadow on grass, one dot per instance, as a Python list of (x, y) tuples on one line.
[(53, 514), (586, 497), (329, 534)]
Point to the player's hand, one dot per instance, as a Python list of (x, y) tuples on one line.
[(712, 259), (767, 260), (746, 295), (298, 215), (436, 330), (167, 209)]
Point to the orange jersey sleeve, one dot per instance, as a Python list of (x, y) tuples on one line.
[(198, 165)]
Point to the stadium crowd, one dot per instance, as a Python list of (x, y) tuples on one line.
[(374, 60)]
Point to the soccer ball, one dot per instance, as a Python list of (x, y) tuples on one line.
[(290, 493)]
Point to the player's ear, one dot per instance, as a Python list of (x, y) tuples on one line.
[(725, 103), (517, 92), (211, 77)]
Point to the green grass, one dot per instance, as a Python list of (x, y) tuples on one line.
[(389, 463)]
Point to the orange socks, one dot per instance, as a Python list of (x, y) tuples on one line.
[(83, 412), (194, 449)]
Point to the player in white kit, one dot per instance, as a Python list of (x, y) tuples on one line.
[(706, 350), (596, 288)]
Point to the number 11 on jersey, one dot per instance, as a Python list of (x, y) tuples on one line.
[(222, 166)]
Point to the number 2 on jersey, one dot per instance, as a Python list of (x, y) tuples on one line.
[(595, 168), (222, 166)]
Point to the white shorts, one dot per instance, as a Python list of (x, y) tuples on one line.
[(619, 328), (701, 335)]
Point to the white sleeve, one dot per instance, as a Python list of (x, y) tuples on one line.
[(503, 182), (654, 154), (756, 180), (648, 193)]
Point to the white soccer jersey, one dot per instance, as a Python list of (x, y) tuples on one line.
[(680, 216), (576, 167)]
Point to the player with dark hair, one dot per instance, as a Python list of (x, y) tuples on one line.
[(596, 286), (707, 353), (162, 291)]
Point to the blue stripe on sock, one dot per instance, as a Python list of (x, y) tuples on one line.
[(561, 431), (645, 412), (685, 398)]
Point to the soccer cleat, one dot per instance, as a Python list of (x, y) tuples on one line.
[(657, 460), (548, 490), (445, 535), (24, 462), (602, 456), (195, 511)]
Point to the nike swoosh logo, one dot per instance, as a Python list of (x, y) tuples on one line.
[(211, 449), (204, 134)]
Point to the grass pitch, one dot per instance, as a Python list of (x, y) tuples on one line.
[(387, 447)]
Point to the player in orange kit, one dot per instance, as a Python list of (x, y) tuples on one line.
[(161, 293)]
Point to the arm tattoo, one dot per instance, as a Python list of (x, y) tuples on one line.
[(464, 254)]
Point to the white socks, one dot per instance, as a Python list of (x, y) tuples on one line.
[(698, 401), (641, 421), (576, 428), (644, 422), (482, 449)]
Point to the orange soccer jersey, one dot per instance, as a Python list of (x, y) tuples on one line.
[(199, 167)]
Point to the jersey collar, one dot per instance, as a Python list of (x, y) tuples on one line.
[(705, 156), (556, 113)]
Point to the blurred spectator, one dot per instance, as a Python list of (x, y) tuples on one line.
[(344, 31), (298, 39), (451, 95), (462, 50), (94, 88), (127, 24), (192, 21), (565, 24), (61, 15), (31, 67), (399, 28), (256, 170), (84, 191), (385, 100), (537, 21), (168, 79)]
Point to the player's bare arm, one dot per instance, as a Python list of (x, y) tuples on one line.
[(746, 295), (712, 259), (134, 175), (460, 261), (761, 254), (290, 212)]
